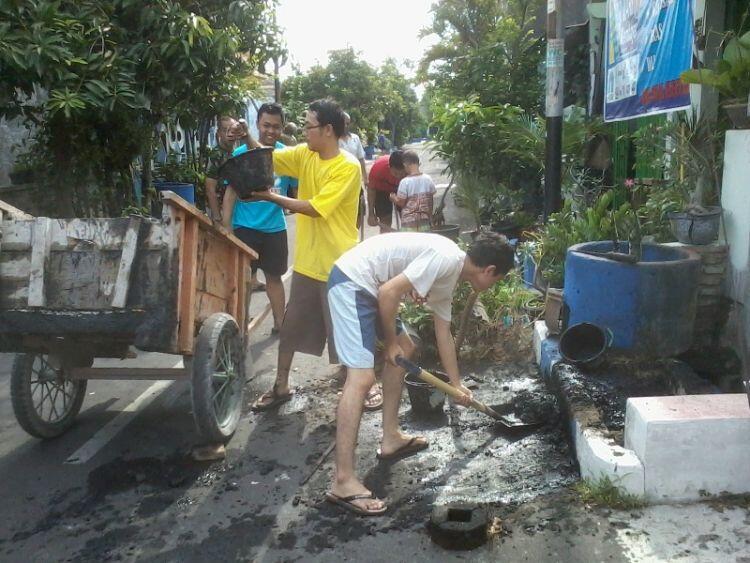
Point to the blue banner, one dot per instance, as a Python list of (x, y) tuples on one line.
[(649, 43)]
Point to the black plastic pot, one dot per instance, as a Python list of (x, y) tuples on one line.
[(448, 230), (508, 229), (249, 172), (737, 114), (585, 344), (424, 398), (22, 176)]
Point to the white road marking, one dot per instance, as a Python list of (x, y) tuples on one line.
[(113, 427)]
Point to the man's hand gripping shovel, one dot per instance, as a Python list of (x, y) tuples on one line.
[(504, 422)]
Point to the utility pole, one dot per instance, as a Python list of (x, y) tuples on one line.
[(554, 109)]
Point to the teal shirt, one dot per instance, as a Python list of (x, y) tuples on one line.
[(262, 216)]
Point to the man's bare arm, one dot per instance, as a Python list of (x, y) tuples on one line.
[(302, 206), (389, 299), (447, 351)]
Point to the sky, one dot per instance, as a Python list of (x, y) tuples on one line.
[(378, 30)]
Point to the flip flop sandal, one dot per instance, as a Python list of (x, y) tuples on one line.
[(347, 504), (410, 448), (377, 405), (275, 402)]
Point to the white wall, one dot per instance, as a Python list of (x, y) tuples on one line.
[(735, 202)]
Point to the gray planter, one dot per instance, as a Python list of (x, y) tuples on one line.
[(696, 228)]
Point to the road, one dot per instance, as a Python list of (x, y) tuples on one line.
[(140, 497)]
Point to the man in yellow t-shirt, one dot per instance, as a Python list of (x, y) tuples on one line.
[(326, 208)]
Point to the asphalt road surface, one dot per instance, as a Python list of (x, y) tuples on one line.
[(121, 485)]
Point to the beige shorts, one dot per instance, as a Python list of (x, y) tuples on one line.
[(306, 314)]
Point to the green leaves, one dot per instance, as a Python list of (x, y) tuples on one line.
[(732, 74), (371, 96), (114, 68)]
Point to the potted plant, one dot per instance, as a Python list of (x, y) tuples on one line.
[(731, 78), (178, 176), (687, 151), (24, 170)]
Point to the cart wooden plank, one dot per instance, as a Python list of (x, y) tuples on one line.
[(13, 212), (212, 263), (187, 284), (39, 258), (129, 247)]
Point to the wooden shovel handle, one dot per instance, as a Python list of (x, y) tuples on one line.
[(446, 388)]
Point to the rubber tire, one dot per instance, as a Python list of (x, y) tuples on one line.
[(23, 404), (204, 360)]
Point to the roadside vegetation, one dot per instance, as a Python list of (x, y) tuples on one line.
[(94, 78), (605, 493)]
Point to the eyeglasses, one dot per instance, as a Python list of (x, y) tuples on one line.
[(308, 127)]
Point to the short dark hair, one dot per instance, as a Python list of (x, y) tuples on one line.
[(396, 159), (271, 108), (329, 112), (491, 249), (411, 157)]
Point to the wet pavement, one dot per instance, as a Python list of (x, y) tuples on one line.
[(143, 498)]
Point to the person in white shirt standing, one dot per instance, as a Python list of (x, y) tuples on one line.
[(352, 144), (414, 196), (365, 288)]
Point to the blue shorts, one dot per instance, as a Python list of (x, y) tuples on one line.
[(355, 319)]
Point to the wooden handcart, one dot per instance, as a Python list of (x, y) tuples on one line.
[(72, 290)]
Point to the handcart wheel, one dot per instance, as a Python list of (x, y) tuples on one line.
[(218, 378), (44, 401)]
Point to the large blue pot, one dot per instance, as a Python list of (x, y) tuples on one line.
[(649, 306), (185, 191)]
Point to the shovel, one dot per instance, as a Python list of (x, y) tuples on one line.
[(504, 422)]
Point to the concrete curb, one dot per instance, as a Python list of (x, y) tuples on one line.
[(598, 456), (677, 448)]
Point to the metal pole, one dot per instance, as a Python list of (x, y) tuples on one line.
[(554, 109)]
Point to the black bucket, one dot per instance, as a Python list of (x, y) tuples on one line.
[(424, 398), (448, 230), (585, 344), (249, 172)]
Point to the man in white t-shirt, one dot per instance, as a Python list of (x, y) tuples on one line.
[(365, 288), (351, 143)]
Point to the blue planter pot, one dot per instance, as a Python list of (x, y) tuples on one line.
[(185, 191), (529, 270), (649, 306)]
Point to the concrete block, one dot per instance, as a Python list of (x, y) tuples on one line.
[(691, 444), (598, 456)]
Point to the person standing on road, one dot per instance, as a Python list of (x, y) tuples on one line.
[(351, 143), (365, 289), (261, 224), (385, 174), (329, 185), (216, 186), (414, 196)]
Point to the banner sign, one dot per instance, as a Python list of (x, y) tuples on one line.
[(649, 43)]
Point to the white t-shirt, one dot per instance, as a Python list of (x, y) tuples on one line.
[(418, 192), (431, 262), (352, 145)]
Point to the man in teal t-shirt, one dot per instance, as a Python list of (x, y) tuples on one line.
[(261, 224)]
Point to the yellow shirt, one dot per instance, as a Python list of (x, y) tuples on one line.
[(332, 187)]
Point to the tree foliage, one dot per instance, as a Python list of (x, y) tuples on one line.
[(372, 97), (96, 76), (488, 50)]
